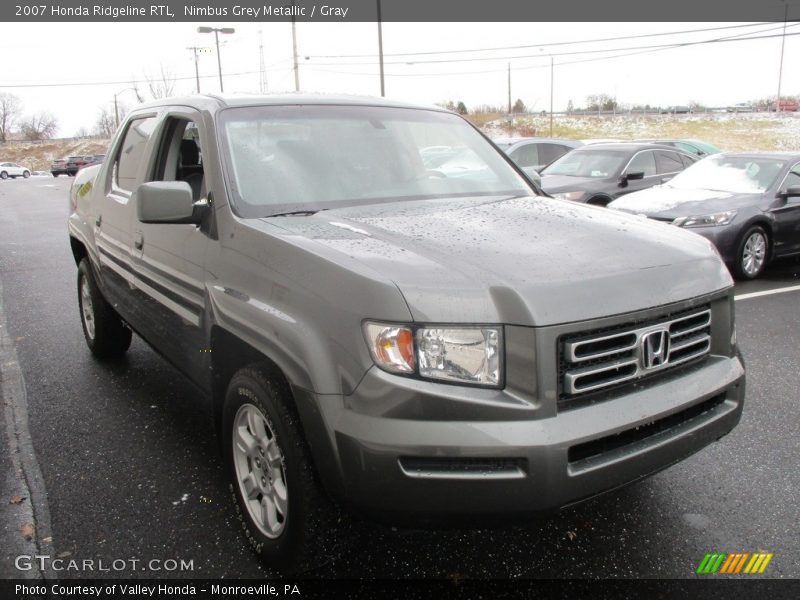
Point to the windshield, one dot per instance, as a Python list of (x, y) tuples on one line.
[(735, 174), (312, 157), (589, 163)]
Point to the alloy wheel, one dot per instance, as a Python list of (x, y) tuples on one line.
[(260, 470), (754, 253)]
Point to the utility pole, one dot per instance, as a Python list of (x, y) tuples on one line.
[(509, 88), (262, 66), (216, 32), (510, 118), (551, 95), (294, 50), (380, 47), (195, 50), (780, 69)]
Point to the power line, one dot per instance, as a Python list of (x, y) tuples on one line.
[(127, 81), (568, 53), (546, 44), (530, 67)]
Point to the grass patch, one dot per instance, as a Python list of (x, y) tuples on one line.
[(740, 133)]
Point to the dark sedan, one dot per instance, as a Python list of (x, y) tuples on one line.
[(599, 173), (747, 204), (698, 147)]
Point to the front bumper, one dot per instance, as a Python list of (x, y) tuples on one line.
[(429, 470), (724, 238)]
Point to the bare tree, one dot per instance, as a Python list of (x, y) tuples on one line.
[(106, 123), (9, 109), (600, 102), (39, 126), (162, 86)]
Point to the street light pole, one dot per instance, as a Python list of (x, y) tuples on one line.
[(216, 31), (116, 106), (219, 60)]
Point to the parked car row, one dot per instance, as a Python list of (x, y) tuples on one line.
[(782, 105), (747, 204), (70, 165)]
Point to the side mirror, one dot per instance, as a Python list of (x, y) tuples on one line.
[(792, 191), (168, 202), (626, 177), (533, 175)]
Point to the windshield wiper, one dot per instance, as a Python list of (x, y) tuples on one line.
[(295, 213)]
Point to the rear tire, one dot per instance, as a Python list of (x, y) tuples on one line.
[(105, 332), (285, 515), (3, 175), (752, 254)]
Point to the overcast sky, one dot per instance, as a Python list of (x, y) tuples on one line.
[(714, 74)]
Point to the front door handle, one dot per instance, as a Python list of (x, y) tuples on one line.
[(98, 220), (138, 243)]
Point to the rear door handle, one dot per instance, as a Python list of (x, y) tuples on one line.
[(139, 241), (98, 220)]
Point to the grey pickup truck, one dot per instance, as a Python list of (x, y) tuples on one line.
[(384, 313)]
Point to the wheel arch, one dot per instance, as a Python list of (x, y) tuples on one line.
[(79, 251), (599, 200), (229, 354)]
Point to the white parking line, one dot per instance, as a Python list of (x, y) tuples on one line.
[(791, 288)]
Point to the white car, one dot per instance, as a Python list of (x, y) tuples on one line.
[(13, 170)]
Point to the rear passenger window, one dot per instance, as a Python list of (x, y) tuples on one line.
[(668, 162), (131, 153), (550, 152), (526, 156)]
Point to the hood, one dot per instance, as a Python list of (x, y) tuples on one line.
[(667, 202), (522, 260), (556, 184)]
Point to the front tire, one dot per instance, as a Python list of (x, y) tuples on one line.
[(105, 333), (752, 253), (285, 515), (3, 175), (599, 201), (26, 174)]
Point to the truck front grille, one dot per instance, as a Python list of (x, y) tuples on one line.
[(592, 362)]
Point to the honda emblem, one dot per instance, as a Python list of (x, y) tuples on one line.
[(655, 349)]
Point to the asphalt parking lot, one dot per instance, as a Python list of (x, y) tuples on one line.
[(130, 467)]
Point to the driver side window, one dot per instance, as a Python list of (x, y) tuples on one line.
[(643, 162), (793, 178), (180, 156)]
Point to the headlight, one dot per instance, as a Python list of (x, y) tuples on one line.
[(574, 196), (469, 355), (722, 218)]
